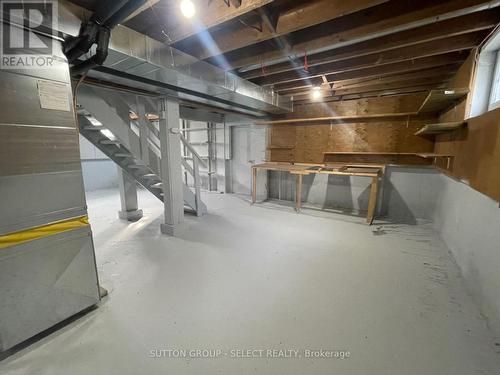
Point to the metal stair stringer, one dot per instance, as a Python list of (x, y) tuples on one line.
[(113, 148)]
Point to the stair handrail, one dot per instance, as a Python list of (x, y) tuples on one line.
[(193, 151)]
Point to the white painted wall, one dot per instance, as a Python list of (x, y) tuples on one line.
[(469, 223), (407, 194), (99, 172)]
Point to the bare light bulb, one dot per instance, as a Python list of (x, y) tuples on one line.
[(188, 8), (316, 93)]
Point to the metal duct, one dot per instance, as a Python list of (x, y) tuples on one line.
[(47, 263), (137, 61)]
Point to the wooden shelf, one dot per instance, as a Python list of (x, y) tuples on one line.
[(368, 153), (431, 155), (428, 155), (440, 128), (439, 100), (281, 147)]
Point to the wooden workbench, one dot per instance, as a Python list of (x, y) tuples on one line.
[(375, 172)]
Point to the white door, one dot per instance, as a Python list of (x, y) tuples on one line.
[(248, 148)]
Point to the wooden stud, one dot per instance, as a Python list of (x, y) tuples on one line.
[(372, 204), (298, 192)]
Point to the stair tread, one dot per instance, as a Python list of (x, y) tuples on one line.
[(136, 166), (141, 172)]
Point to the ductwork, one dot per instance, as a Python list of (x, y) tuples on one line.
[(139, 62), (97, 31)]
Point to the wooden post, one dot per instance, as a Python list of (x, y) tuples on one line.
[(372, 204), (298, 192), (254, 184)]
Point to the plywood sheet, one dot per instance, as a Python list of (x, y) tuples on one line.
[(477, 153), (312, 141)]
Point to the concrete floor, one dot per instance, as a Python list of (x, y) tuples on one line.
[(265, 278)]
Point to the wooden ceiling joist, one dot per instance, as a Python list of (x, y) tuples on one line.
[(442, 72), (214, 13), (456, 26), (378, 71), (235, 3), (381, 20), (304, 15), (148, 4), (371, 94), (402, 86), (437, 47)]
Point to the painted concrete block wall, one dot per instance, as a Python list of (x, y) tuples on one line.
[(407, 194), (99, 172), (469, 223), (346, 193)]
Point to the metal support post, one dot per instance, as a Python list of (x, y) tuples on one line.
[(128, 197), (171, 166), (143, 130), (197, 185)]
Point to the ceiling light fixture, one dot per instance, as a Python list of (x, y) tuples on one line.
[(188, 8), (316, 93)]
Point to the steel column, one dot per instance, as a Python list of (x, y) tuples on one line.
[(128, 197), (143, 130)]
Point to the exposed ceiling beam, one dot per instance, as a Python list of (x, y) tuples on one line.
[(305, 14), (377, 71), (440, 71), (430, 81), (360, 27), (409, 84), (393, 92), (455, 43), (455, 26), (148, 4), (270, 22), (213, 14), (235, 3)]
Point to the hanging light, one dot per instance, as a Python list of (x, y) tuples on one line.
[(188, 8), (316, 93)]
